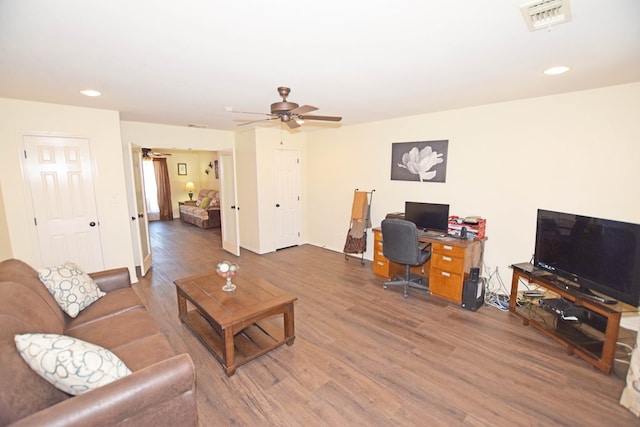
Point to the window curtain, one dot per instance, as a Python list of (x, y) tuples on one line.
[(164, 189), (150, 189)]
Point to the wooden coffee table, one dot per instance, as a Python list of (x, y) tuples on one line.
[(237, 326)]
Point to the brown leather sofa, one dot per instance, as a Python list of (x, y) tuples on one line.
[(160, 391), (207, 217)]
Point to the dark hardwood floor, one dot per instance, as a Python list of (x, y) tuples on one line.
[(366, 356)]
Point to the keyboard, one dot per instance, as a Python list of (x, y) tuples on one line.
[(434, 234)]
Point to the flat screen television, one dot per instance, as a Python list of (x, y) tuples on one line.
[(428, 216), (593, 253)]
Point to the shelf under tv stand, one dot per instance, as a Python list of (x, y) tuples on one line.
[(592, 337)]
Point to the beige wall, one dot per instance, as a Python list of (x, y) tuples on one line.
[(175, 137), (5, 244), (102, 129), (576, 152)]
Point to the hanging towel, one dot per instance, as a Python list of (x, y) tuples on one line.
[(359, 205), (360, 220), (359, 215)]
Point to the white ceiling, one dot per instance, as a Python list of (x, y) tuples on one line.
[(171, 62)]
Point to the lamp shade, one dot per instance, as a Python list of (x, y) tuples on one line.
[(189, 186)]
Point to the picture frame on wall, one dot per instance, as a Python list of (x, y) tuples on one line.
[(422, 161), (182, 168)]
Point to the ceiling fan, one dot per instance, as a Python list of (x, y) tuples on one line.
[(149, 153), (290, 113)]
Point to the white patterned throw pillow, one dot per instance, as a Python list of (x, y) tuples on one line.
[(71, 365), (73, 289)]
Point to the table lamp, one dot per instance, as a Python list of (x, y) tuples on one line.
[(189, 186)]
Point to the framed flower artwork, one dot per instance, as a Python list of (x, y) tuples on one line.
[(423, 161)]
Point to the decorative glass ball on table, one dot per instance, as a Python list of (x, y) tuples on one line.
[(227, 270)]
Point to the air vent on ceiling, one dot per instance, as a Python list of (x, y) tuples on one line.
[(542, 14)]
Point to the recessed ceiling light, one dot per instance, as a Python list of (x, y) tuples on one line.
[(556, 70), (90, 92), (228, 109)]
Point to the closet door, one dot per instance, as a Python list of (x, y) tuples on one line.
[(286, 205), (60, 177)]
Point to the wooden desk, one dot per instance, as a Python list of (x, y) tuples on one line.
[(451, 260)]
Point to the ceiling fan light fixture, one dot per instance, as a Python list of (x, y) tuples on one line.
[(290, 113)]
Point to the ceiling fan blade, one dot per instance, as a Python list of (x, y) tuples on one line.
[(292, 124), (303, 109), (254, 121), (251, 112), (325, 118)]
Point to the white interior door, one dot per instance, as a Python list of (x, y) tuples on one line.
[(286, 171), (60, 177), (228, 201), (139, 218)]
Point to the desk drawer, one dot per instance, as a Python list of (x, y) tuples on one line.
[(447, 262), (381, 267), (443, 248), (378, 255), (446, 285)]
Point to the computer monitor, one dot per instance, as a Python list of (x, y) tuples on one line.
[(428, 216)]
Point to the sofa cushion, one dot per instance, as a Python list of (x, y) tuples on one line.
[(205, 203), (112, 304), (71, 287), (196, 212), (23, 310), (14, 270), (145, 351), (71, 365), (116, 331), (24, 305)]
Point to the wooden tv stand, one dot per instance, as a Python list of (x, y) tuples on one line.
[(592, 337)]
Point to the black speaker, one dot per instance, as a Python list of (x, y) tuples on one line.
[(473, 291)]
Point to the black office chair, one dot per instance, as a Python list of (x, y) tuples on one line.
[(400, 244)]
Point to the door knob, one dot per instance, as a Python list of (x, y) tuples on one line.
[(92, 224), (133, 218), (140, 215), (233, 207), (277, 205)]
